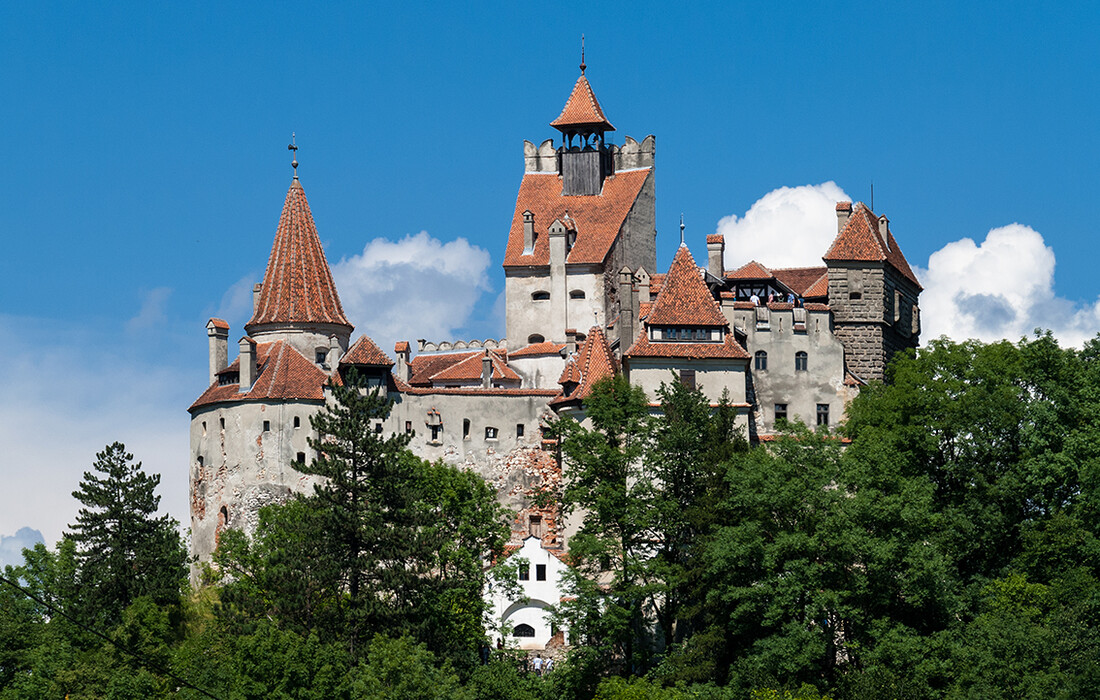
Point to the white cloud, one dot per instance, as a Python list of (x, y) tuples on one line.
[(12, 546), (787, 227), (152, 312), (416, 287), (236, 303), (1000, 288)]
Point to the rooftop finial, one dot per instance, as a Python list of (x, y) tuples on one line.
[(582, 55), (294, 147), (681, 228)]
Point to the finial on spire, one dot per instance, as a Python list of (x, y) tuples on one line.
[(681, 228), (294, 147), (582, 55)]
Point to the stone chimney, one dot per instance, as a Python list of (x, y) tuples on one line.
[(217, 331), (256, 289), (627, 310), (486, 371), (643, 287), (403, 367), (334, 353), (559, 316), (248, 364), (884, 231), (843, 213), (528, 232), (570, 341), (716, 253)]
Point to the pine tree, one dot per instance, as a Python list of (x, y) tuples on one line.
[(123, 550)]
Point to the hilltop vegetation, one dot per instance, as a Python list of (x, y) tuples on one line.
[(942, 545)]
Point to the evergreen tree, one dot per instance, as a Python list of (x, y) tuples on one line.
[(123, 550)]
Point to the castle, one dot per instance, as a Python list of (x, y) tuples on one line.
[(584, 301)]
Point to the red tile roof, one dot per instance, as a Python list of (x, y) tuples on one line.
[(401, 346), (365, 352), (284, 373), (424, 366), (297, 286), (799, 279), (861, 241), (546, 348), (469, 369), (818, 289), (751, 270), (593, 362), (598, 219), (218, 323), (729, 348), (716, 238), (582, 109), (684, 297)]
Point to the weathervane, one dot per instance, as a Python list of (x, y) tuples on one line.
[(294, 147), (681, 228), (582, 55)]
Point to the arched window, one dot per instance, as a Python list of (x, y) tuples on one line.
[(580, 337), (800, 360), (535, 338), (465, 428), (576, 294), (523, 630), (761, 359), (540, 295)]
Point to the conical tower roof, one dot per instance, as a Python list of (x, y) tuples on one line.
[(684, 298), (297, 286), (581, 110)]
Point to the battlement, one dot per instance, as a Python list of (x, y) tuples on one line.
[(631, 155), (424, 346)]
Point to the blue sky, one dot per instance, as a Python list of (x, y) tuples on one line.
[(144, 149)]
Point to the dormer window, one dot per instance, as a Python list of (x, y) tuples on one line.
[(683, 335)]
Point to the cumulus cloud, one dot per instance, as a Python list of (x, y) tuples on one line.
[(153, 306), (415, 287), (236, 302), (12, 546), (1000, 288), (787, 227)]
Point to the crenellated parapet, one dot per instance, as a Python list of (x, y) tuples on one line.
[(448, 346), (633, 155)]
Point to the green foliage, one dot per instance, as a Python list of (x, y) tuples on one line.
[(400, 669), (122, 550)]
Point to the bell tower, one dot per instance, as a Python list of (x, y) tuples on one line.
[(584, 160)]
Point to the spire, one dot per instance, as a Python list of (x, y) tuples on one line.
[(582, 112), (684, 298), (293, 147), (297, 287), (682, 228)]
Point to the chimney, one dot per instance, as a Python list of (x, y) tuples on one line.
[(334, 353), (402, 369), (486, 371), (884, 231), (256, 289), (643, 287), (570, 341), (528, 232), (218, 332), (248, 364), (627, 312), (716, 253), (843, 213)]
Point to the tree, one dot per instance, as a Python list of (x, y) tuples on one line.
[(123, 550)]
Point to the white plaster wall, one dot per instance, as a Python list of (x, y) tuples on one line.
[(538, 371), (510, 612), (525, 317), (712, 376)]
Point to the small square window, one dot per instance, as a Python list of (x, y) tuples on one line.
[(524, 572), (267, 426), (780, 412), (490, 433), (823, 414), (408, 427), (540, 572), (320, 356), (687, 378), (378, 428), (301, 458)]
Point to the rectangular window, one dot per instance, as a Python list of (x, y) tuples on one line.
[(524, 572), (823, 414), (436, 430), (519, 429), (320, 356), (267, 426), (780, 412), (687, 378), (490, 433), (408, 427), (540, 572), (301, 458), (297, 422)]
